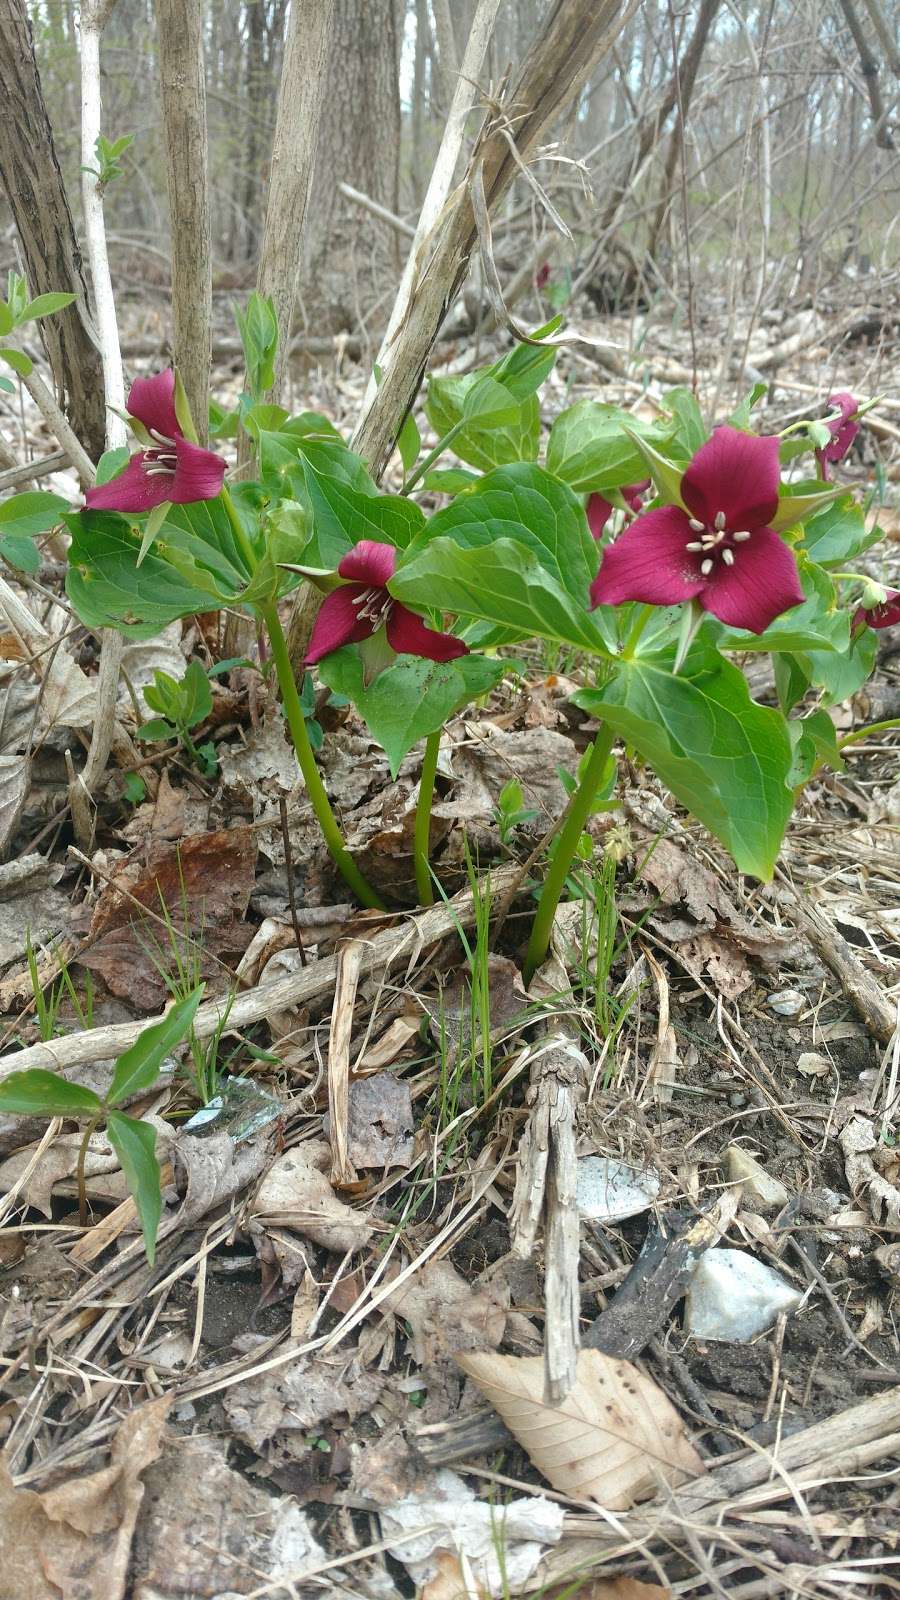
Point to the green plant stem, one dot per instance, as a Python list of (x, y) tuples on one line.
[(432, 455), (315, 788), (573, 820), (237, 528), (89, 1132), (640, 623), (866, 733), (422, 836)]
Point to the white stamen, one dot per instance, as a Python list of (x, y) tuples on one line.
[(162, 437), (695, 544), (741, 536), (706, 568), (728, 557), (697, 527), (719, 521), (158, 470)]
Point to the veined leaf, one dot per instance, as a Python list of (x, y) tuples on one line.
[(411, 698), (724, 757), (135, 1145), (37, 1093), (595, 447), (139, 1066)]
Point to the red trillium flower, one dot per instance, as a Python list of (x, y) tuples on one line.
[(885, 615), (843, 430), (362, 606), (718, 551), (171, 468), (599, 510)]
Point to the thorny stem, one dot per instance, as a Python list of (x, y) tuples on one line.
[(422, 835), (576, 816), (866, 733), (432, 455), (315, 788)]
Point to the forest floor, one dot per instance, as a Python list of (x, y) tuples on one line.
[(281, 1393)]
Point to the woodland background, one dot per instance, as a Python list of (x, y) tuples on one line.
[(784, 113)]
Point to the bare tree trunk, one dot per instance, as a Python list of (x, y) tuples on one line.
[(300, 98), (359, 143), (447, 52), (575, 37), (34, 186), (183, 79), (868, 66), (686, 69)]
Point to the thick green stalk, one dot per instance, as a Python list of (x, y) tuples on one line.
[(433, 455), (866, 733), (237, 528), (422, 836), (315, 788), (573, 820)]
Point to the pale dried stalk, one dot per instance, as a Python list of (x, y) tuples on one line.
[(253, 1005), (53, 415), (349, 961), (575, 37), (94, 13), (439, 186), (545, 1190)]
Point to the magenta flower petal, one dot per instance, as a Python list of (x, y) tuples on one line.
[(843, 430), (198, 473), (370, 563), (409, 636), (599, 512), (133, 490), (886, 615), (152, 401), (762, 582), (633, 494), (650, 562), (736, 475), (338, 623)]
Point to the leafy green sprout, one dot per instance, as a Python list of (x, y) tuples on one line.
[(182, 705), (36, 1092), (47, 1005), (107, 152), (15, 311), (510, 811)]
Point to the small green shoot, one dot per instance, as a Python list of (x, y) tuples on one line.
[(47, 1005), (510, 812), (182, 705), (17, 309), (107, 152), (36, 1093)]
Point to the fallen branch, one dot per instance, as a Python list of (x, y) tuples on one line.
[(253, 1005)]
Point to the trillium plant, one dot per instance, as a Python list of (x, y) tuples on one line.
[(653, 548)]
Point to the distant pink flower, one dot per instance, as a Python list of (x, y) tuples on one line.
[(362, 605), (599, 510), (843, 430), (172, 469), (542, 276), (720, 551), (885, 615)]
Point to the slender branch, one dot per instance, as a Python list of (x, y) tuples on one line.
[(867, 733), (52, 414), (575, 818), (422, 835), (94, 13)]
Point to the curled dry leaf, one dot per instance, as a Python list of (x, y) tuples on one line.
[(616, 1437), (447, 1314), (76, 1539), (296, 1193)]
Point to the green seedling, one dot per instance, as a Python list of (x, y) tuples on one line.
[(107, 152), (182, 705), (37, 1093), (46, 1006), (510, 812), (15, 311)]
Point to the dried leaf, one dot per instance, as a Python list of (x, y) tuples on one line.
[(76, 1539), (296, 1193), (615, 1438), (447, 1314)]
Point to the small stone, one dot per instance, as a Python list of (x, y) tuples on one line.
[(758, 1186), (786, 1002), (813, 1065), (737, 1099), (609, 1191), (733, 1296)]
